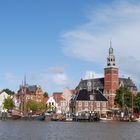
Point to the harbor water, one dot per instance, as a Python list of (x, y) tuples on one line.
[(37, 130)]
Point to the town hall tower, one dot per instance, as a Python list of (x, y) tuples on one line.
[(111, 78)]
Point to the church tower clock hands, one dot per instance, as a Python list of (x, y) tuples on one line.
[(111, 80)]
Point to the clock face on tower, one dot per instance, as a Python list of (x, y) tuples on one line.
[(89, 83)]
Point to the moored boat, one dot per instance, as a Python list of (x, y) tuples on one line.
[(16, 115)]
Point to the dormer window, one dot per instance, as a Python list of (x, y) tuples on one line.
[(92, 97)]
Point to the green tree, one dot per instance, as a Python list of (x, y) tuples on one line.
[(35, 106), (41, 106), (123, 97), (137, 103), (31, 105), (46, 94), (8, 91), (8, 103)]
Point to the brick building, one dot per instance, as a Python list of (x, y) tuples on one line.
[(110, 82), (89, 100), (28, 92)]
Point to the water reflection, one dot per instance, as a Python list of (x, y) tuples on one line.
[(35, 130)]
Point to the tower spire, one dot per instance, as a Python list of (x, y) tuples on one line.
[(25, 80), (110, 43), (111, 58), (110, 48)]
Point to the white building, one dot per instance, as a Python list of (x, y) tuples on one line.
[(16, 101), (52, 105), (59, 102), (3, 96)]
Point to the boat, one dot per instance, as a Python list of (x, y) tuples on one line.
[(137, 119), (106, 119), (16, 114), (40, 118), (69, 119), (86, 116)]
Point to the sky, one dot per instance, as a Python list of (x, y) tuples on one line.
[(56, 43)]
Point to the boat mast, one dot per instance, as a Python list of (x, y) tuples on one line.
[(132, 103)]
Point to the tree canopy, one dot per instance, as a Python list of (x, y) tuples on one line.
[(8, 91), (123, 97), (31, 105), (36, 106), (137, 103), (46, 94), (8, 103)]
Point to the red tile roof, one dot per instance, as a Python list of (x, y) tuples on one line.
[(58, 96)]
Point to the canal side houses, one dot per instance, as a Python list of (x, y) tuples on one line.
[(59, 101)]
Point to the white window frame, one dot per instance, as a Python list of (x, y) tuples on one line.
[(86, 104), (98, 104), (80, 103), (104, 104)]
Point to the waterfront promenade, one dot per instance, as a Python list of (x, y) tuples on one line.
[(36, 130)]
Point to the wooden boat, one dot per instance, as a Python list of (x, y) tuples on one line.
[(16, 115)]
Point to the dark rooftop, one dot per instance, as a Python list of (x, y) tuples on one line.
[(98, 83), (85, 95)]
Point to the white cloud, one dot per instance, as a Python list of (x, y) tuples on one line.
[(56, 75), (57, 69), (55, 79), (60, 79), (119, 21), (91, 74)]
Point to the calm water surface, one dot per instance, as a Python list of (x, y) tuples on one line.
[(36, 130)]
